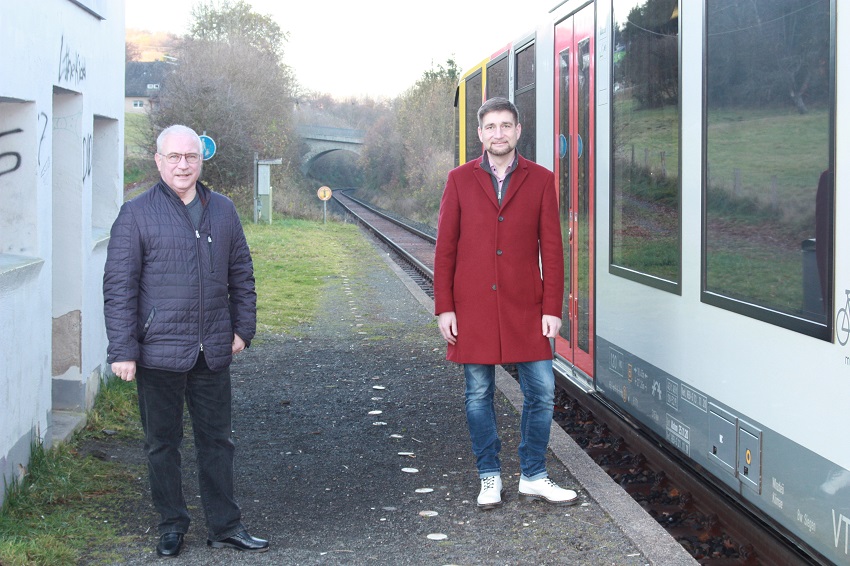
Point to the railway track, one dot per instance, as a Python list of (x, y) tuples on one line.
[(711, 526), (413, 247)]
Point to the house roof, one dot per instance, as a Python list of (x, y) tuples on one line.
[(139, 74)]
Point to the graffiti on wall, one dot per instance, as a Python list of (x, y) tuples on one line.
[(87, 156), (9, 160), (43, 160), (72, 66)]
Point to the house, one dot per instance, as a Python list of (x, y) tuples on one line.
[(143, 82)]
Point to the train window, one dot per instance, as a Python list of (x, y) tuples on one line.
[(497, 78), (525, 67), (526, 101), (473, 103), (768, 155), (645, 117)]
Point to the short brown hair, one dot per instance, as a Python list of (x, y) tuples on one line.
[(497, 104)]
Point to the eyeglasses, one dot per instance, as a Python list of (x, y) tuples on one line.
[(174, 158)]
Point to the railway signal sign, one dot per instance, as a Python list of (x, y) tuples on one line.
[(324, 195)]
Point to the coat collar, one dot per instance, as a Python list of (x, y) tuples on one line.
[(482, 175), (202, 190)]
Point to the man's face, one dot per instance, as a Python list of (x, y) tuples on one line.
[(180, 176), (498, 132)]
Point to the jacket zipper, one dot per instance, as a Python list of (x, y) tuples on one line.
[(201, 290), (200, 277)]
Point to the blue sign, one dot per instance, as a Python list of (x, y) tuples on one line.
[(209, 146)]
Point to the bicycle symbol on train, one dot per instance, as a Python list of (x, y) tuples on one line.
[(842, 321)]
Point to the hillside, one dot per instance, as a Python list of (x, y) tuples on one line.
[(151, 45)]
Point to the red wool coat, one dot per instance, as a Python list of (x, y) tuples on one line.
[(488, 261)]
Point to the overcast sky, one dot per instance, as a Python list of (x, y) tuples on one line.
[(344, 48)]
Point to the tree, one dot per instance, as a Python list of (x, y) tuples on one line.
[(650, 62), (382, 160), (228, 85), (425, 118), (131, 52), (230, 23), (768, 53)]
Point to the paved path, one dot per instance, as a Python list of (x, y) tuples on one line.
[(319, 471)]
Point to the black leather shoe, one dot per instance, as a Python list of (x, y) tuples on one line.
[(170, 544), (241, 541)]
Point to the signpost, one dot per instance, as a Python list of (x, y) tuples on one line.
[(325, 194), (209, 146)]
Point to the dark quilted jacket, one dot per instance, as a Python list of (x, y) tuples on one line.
[(169, 291)]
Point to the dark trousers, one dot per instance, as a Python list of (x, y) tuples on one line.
[(207, 394)]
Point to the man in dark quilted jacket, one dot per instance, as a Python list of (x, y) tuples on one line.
[(179, 302)]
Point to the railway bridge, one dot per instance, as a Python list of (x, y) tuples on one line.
[(323, 140)]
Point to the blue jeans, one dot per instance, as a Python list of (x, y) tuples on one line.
[(207, 394), (538, 388)]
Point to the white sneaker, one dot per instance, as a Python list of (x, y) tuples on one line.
[(546, 490), (491, 492)]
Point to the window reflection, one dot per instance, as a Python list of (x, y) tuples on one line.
[(497, 78), (767, 148), (645, 217), (564, 184), (524, 98)]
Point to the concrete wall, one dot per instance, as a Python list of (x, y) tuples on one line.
[(61, 177)]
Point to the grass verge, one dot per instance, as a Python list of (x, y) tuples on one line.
[(67, 500)]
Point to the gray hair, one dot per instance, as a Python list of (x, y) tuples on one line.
[(497, 104), (178, 129)]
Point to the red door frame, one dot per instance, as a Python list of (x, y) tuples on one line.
[(569, 34)]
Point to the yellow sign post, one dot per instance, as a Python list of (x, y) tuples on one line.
[(325, 194)]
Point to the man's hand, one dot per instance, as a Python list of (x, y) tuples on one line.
[(124, 370), (237, 345), (447, 321), (551, 325)]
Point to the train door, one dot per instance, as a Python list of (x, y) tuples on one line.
[(574, 175)]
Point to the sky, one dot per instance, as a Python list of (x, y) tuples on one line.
[(375, 48)]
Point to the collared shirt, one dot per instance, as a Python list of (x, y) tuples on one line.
[(500, 184)]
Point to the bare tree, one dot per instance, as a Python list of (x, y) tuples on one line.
[(131, 52), (230, 86), (424, 126)]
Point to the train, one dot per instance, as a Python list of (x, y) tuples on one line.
[(697, 148)]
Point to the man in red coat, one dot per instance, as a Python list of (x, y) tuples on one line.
[(498, 228)]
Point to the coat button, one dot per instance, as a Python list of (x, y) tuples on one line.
[(501, 219), (493, 287), (498, 252)]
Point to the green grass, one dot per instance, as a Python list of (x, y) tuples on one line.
[(136, 135), (763, 169), (65, 500), (768, 142), (772, 280), (649, 132), (292, 260)]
